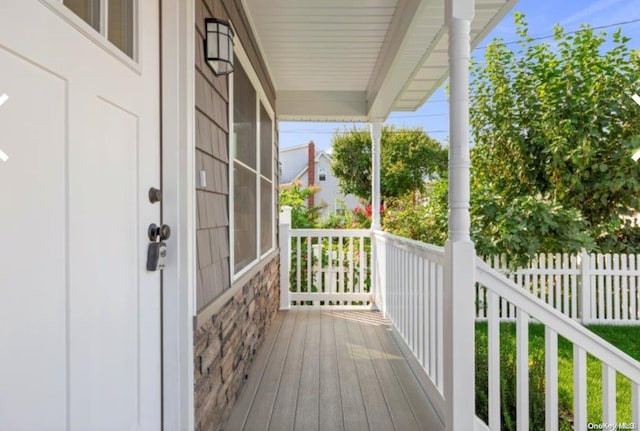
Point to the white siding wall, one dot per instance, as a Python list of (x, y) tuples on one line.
[(329, 190)]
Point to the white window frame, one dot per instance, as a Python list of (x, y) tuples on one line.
[(100, 37), (261, 98), (322, 171)]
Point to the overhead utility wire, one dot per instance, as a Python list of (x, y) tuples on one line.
[(550, 36)]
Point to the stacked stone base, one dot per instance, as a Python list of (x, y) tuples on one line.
[(226, 345)]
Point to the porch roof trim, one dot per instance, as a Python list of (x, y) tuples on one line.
[(357, 60)]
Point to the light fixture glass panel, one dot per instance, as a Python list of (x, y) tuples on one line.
[(212, 46), (224, 50)]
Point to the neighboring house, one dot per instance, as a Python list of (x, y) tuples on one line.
[(309, 166), (109, 100)]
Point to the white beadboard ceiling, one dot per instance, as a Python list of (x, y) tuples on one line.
[(354, 60)]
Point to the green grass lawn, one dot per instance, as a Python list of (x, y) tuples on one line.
[(626, 338)]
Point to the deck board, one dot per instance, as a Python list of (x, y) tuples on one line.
[(253, 384), (330, 397), (309, 388), (399, 407), (416, 397), (353, 413), (332, 371), (374, 401), (283, 414)]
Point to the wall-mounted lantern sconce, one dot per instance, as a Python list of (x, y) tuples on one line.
[(218, 46)]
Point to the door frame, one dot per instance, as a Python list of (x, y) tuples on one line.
[(177, 36)]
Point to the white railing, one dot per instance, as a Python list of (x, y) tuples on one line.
[(329, 267), (333, 268), (592, 288), (409, 280), (526, 306)]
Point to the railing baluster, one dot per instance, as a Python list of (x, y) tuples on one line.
[(551, 378), (342, 269), (493, 353), (362, 266), (624, 264), (433, 351), (351, 272), (573, 289), (522, 371), (579, 388), (440, 325), (424, 307), (565, 284), (600, 287), (544, 286), (632, 288), (405, 296), (608, 394), (328, 278), (309, 263), (616, 287), (416, 302), (608, 292), (556, 282), (536, 265), (298, 264)]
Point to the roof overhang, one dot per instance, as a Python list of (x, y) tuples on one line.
[(354, 60)]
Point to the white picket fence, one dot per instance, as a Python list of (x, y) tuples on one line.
[(591, 288)]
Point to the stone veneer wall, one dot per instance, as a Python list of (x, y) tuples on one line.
[(226, 345)]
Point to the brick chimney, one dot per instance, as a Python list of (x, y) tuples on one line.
[(311, 172)]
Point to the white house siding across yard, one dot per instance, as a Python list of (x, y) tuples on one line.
[(296, 163)]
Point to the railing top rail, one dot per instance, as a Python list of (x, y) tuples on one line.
[(429, 251), (331, 232), (564, 326)]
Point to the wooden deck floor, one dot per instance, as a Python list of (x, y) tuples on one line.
[(333, 371)]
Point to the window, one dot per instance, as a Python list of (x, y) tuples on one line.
[(322, 174), (253, 185), (117, 26)]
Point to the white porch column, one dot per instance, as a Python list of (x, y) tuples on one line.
[(284, 234), (459, 350), (376, 135)]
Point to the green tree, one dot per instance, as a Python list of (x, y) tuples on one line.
[(295, 196), (423, 220), (554, 128), (408, 156)]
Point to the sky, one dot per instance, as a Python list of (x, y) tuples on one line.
[(541, 15)]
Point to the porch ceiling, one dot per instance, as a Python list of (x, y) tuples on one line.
[(353, 60)]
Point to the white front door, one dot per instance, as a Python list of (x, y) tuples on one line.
[(79, 313)]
